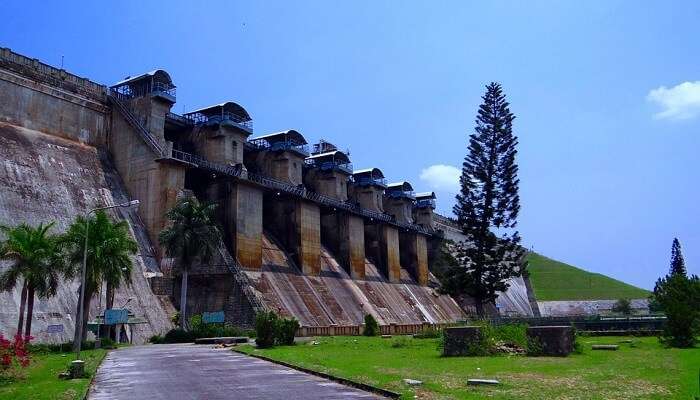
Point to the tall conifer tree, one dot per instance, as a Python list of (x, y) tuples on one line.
[(677, 262), (487, 206)]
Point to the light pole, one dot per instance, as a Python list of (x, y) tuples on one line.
[(79, 322)]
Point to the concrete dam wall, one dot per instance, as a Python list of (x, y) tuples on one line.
[(305, 234), (46, 178), (334, 298)]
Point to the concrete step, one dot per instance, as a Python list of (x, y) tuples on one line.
[(222, 340)]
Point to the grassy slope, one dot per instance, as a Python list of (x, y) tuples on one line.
[(646, 371), (40, 381), (554, 280)]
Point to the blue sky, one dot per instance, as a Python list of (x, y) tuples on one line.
[(606, 94)]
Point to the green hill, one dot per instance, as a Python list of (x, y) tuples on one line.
[(554, 280)]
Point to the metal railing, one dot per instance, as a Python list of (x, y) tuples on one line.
[(51, 75), (236, 171), (179, 118), (367, 181), (298, 191), (130, 90), (242, 280), (165, 89), (152, 142), (282, 145), (426, 203), (224, 117), (399, 194), (330, 165)]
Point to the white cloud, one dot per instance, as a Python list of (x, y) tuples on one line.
[(442, 177), (679, 102)]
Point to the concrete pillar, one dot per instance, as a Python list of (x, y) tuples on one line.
[(286, 166), (344, 234), (308, 226), (245, 217), (414, 255), (382, 247), (156, 188), (370, 197), (332, 183), (424, 217), (152, 111), (222, 144), (297, 223), (400, 208)]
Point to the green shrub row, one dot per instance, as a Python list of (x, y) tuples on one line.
[(199, 329), (508, 338), (270, 330), (105, 343)]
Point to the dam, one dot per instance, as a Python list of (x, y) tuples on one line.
[(305, 234)]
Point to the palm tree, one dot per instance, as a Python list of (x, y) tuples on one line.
[(193, 234), (109, 252), (35, 257)]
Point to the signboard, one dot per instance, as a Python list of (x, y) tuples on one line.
[(116, 316), (213, 317), (54, 328)]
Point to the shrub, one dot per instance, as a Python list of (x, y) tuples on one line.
[(199, 329), (13, 353), (286, 330), (534, 347), (178, 336), (478, 345), (265, 329), (371, 326), (495, 339), (430, 332), (399, 342), (514, 335), (108, 343), (175, 319), (65, 347), (623, 306), (578, 346), (156, 339)]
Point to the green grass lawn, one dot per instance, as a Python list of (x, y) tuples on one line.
[(645, 371), (554, 280), (40, 380)]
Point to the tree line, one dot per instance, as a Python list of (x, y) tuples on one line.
[(39, 258)]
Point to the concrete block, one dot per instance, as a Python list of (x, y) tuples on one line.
[(308, 226), (382, 248), (245, 208), (553, 340), (476, 382), (605, 347), (461, 340), (76, 369), (344, 234), (414, 255)]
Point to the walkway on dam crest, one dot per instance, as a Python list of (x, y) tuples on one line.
[(186, 371)]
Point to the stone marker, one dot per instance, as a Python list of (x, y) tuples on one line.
[(554, 340), (605, 347), (386, 336), (475, 382), (76, 369), (461, 340), (412, 382)]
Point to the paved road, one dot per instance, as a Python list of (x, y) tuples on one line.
[(185, 371)]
